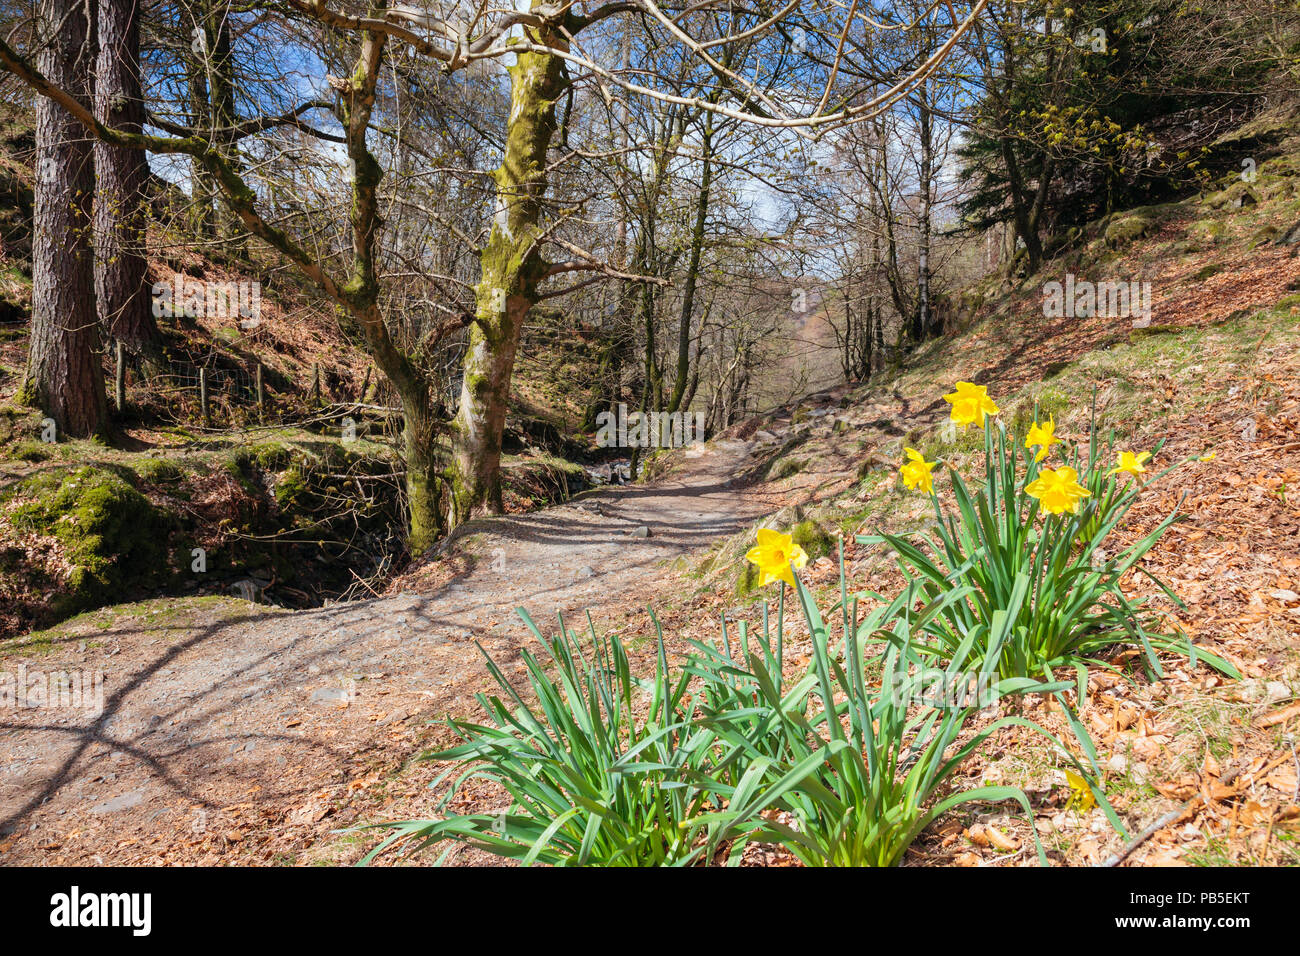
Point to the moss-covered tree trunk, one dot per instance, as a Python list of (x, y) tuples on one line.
[(64, 377), (361, 293), (512, 267)]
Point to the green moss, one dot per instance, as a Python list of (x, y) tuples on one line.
[(747, 580), (785, 467), (271, 455), (1236, 196), (1211, 231), (1050, 403), (1123, 231), (816, 541), (960, 441), (31, 451), (291, 489), (870, 467), (112, 535), (1151, 331), (157, 471)]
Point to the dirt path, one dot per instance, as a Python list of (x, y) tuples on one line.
[(232, 732)]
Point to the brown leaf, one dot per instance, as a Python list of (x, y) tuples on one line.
[(1280, 716)]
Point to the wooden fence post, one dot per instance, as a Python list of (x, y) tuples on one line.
[(119, 378), (203, 396)]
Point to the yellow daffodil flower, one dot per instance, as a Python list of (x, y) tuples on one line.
[(1210, 456), (1044, 436), (773, 554), (1058, 491), (970, 404), (1081, 798), (916, 473), (1131, 463)]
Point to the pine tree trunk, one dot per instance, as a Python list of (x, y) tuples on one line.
[(64, 375), (122, 176)]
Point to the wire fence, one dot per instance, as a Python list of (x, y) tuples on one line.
[(221, 389)]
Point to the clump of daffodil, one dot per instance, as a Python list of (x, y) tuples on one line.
[(970, 404), (916, 473), (1044, 436), (1131, 463), (1058, 490), (774, 554)]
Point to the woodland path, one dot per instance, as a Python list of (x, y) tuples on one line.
[(234, 732)]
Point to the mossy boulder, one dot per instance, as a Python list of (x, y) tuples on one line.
[(1236, 196), (113, 537), (292, 490), (271, 455), (1123, 231), (158, 471), (785, 468), (1211, 231)]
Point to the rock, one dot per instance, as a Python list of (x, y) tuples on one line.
[(641, 532), (1123, 231), (764, 436), (331, 695), (246, 588), (1275, 690), (125, 802), (585, 571)]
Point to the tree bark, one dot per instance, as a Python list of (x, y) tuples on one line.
[(212, 113), (512, 268), (64, 375), (122, 177), (924, 320), (692, 275)]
